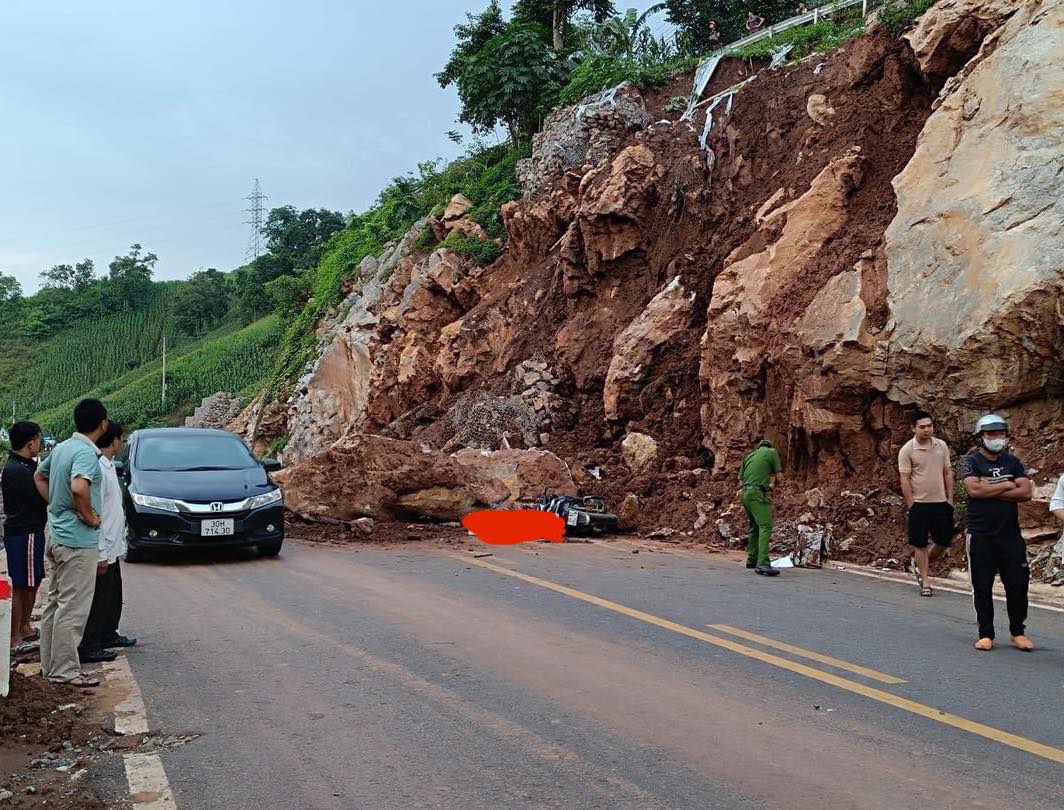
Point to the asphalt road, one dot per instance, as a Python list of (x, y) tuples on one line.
[(569, 675)]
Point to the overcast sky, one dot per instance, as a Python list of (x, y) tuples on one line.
[(146, 121)]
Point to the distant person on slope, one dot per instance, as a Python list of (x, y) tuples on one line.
[(70, 480), (25, 515), (996, 482), (927, 486), (101, 629), (714, 35), (753, 22), (758, 474)]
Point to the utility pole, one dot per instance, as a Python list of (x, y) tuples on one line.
[(164, 371), (255, 220)]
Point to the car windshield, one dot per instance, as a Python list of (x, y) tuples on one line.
[(188, 452)]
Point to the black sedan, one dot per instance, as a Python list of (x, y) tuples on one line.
[(196, 488)]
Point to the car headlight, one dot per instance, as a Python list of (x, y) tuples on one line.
[(273, 496), (152, 502)]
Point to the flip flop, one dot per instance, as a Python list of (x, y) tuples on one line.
[(927, 590), (83, 682)]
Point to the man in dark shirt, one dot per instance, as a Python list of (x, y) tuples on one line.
[(25, 514), (996, 482)]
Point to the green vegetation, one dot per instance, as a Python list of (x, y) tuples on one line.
[(482, 251), (806, 39), (238, 362), (897, 17)]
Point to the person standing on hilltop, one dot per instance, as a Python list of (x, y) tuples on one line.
[(927, 486), (758, 474), (25, 515), (754, 22), (996, 482), (69, 479)]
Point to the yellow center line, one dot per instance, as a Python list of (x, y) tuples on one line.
[(838, 663), (930, 712)]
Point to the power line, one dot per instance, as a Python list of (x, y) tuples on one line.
[(256, 198)]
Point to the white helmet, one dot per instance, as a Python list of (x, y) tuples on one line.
[(991, 422)]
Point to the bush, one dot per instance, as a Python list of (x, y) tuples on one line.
[(482, 251), (899, 16), (601, 71), (806, 39)]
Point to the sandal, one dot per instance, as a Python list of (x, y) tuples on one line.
[(927, 590), (83, 682), (34, 636)]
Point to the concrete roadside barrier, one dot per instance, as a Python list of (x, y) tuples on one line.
[(5, 634)]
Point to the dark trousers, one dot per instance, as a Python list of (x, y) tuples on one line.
[(106, 610), (1006, 556)]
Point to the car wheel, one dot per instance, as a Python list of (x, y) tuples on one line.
[(270, 549)]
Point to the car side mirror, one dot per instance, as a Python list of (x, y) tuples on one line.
[(271, 465)]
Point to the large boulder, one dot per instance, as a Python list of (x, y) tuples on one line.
[(527, 474), (667, 314), (976, 249), (370, 476), (952, 31)]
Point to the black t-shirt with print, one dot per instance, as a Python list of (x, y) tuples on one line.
[(992, 516)]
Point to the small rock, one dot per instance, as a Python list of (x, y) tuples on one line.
[(704, 509), (638, 450), (5, 795)]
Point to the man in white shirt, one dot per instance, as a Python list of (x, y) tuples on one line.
[(1056, 503), (101, 630)]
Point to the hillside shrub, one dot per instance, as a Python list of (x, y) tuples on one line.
[(897, 17), (482, 251), (806, 39)]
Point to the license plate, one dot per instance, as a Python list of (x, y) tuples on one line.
[(216, 528), (571, 519)]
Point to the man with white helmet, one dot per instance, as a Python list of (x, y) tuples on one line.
[(996, 482)]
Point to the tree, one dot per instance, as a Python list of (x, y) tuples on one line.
[(200, 303), (513, 80), (10, 289), (471, 38), (65, 277), (296, 238), (289, 293), (554, 15), (130, 276), (628, 34)]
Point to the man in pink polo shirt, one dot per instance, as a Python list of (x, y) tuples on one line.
[(927, 486)]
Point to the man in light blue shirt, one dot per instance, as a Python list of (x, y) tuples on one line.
[(69, 479)]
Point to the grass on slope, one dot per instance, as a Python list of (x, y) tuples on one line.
[(239, 362)]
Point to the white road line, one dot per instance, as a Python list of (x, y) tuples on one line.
[(148, 786), (130, 714), (938, 585)]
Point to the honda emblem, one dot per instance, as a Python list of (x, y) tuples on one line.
[(216, 506)]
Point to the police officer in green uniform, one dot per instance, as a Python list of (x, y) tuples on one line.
[(758, 474)]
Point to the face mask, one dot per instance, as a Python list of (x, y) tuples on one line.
[(995, 445)]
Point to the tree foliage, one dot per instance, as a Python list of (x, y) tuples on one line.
[(513, 81), (130, 277), (470, 38), (68, 277), (692, 18), (201, 303), (555, 15)]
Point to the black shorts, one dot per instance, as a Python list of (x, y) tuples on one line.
[(934, 520)]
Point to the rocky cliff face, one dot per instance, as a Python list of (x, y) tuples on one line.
[(848, 236)]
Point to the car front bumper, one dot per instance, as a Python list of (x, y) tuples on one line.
[(154, 528)]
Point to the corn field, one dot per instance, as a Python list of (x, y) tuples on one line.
[(239, 363), (88, 355)]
